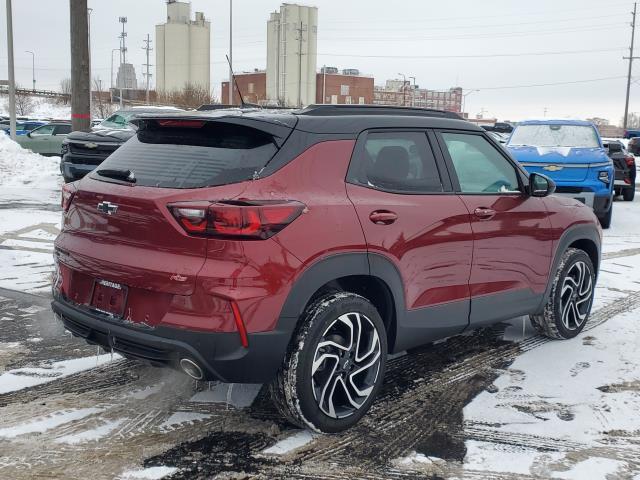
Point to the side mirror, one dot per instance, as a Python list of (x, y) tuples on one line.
[(615, 147), (29, 134), (540, 185)]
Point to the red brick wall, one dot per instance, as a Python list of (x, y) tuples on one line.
[(357, 86), (259, 93)]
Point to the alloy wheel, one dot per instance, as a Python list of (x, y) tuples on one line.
[(346, 365), (576, 296)]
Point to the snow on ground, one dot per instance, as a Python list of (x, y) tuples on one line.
[(575, 393), (27, 233), (151, 473), (20, 378), (42, 424), (43, 109), (291, 443)]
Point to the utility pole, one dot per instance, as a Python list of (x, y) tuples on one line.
[(630, 58), (12, 78), (230, 52), (123, 58), (89, 11), (80, 81), (148, 48)]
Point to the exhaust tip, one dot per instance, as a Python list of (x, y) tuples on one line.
[(191, 368)]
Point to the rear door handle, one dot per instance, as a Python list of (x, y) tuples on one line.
[(484, 213), (383, 217)]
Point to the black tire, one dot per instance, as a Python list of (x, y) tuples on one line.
[(628, 194), (605, 219), (551, 322), (295, 389)]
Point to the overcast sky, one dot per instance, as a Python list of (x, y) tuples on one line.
[(406, 37)]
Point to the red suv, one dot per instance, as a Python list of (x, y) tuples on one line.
[(301, 248)]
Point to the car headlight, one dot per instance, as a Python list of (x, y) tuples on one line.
[(603, 176)]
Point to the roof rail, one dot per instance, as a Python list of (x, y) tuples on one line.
[(332, 109)]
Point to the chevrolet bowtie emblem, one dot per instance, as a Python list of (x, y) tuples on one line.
[(107, 207), (553, 168), (91, 145)]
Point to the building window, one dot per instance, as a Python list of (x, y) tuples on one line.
[(361, 100), (334, 99), (344, 89), (347, 99), (251, 88)]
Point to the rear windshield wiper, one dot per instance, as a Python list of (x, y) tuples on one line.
[(118, 174)]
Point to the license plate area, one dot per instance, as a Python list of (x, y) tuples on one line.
[(109, 297)]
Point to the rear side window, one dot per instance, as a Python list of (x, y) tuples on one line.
[(399, 162), (202, 155), (63, 129)]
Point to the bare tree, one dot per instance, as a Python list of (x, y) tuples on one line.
[(24, 102), (191, 96), (65, 89), (102, 106)]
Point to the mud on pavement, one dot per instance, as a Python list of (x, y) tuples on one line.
[(101, 418)]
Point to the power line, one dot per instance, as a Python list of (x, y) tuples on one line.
[(572, 82), (553, 31), (555, 12), (484, 26), (490, 55)]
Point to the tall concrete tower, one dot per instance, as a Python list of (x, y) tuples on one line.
[(183, 49), (292, 39)]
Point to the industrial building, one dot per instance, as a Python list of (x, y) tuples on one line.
[(343, 87), (183, 49), (126, 78), (403, 93), (292, 35), (253, 86), (338, 87)]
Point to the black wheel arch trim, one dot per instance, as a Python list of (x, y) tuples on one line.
[(570, 236)]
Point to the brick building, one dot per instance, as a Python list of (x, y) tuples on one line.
[(253, 86), (399, 93), (346, 87)]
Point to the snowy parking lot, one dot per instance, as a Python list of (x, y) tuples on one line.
[(499, 403)]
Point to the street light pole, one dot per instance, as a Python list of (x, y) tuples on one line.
[(464, 98), (404, 89), (12, 78), (230, 52), (113, 50), (33, 68), (413, 92)]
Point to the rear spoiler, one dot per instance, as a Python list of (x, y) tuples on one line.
[(278, 130)]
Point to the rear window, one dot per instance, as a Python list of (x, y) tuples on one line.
[(210, 154), (555, 135)]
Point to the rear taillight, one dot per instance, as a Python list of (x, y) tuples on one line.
[(631, 161), (68, 191), (247, 219)]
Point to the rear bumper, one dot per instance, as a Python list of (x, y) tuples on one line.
[(219, 355)]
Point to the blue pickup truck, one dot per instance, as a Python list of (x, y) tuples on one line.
[(571, 153)]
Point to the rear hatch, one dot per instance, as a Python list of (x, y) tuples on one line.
[(119, 231)]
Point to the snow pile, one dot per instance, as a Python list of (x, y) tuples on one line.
[(19, 166)]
